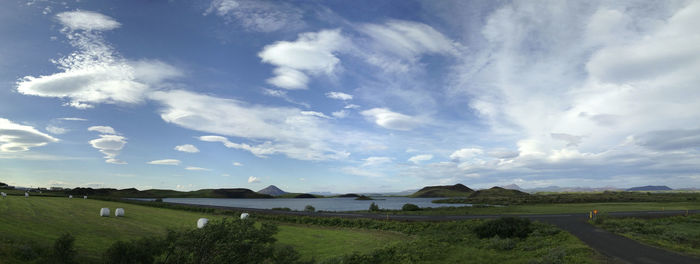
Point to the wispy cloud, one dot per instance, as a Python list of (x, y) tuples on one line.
[(15, 137), (165, 162), (189, 148)]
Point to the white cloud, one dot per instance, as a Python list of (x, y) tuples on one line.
[(253, 179), (110, 146), (103, 129), (466, 154), (351, 106), (189, 148), (361, 172), (87, 20), (314, 113), (339, 96), (15, 137), (281, 130), (311, 54), (409, 39), (73, 119), (375, 161), (340, 114), (391, 120), (237, 164), (258, 15), (165, 162), (95, 73), (56, 130), (192, 168), (420, 158)]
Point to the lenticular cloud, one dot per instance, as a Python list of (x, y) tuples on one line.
[(95, 73)]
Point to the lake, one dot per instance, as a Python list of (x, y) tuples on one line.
[(325, 204)]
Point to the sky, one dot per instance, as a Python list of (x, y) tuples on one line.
[(349, 96)]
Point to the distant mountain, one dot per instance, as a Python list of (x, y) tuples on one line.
[(324, 193), (499, 192), (272, 190), (512, 187), (457, 190), (572, 189), (650, 188)]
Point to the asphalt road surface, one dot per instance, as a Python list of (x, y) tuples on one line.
[(615, 247)]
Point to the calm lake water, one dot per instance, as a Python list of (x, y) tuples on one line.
[(325, 204)]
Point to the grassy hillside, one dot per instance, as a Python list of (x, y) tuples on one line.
[(43, 219), (457, 190)]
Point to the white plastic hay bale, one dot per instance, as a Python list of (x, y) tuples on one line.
[(70, 196), (244, 216), (202, 222), (26, 194), (3, 194), (84, 196), (119, 212), (104, 212)]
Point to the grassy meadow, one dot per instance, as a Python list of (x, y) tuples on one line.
[(40, 220), (43, 219), (677, 233)]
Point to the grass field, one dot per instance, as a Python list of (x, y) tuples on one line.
[(43, 219), (678, 233), (554, 208)]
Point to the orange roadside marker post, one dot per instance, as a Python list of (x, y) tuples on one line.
[(590, 215)]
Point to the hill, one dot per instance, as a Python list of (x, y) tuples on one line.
[(650, 188), (158, 193), (272, 190), (457, 190), (497, 192), (512, 187)]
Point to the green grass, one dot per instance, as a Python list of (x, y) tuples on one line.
[(678, 233), (43, 219), (335, 241), (554, 208)]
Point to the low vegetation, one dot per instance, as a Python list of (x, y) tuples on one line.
[(389, 241), (500, 196), (677, 233)]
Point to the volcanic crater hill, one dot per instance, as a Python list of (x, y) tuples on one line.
[(457, 190), (272, 190), (498, 192)]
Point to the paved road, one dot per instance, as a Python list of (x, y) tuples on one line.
[(615, 247)]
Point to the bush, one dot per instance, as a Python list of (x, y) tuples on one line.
[(410, 207), (504, 227), (309, 208), (373, 207), (501, 243), (63, 251), (137, 251)]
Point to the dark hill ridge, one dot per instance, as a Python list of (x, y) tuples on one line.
[(457, 190), (272, 190), (650, 188), (497, 192), (157, 193)]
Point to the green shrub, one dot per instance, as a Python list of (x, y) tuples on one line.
[(309, 208), (499, 243), (504, 227), (410, 207), (137, 251), (373, 207), (63, 250)]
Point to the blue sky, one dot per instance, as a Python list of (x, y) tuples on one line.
[(349, 96)]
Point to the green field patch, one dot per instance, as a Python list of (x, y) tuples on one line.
[(43, 219), (321, 243), (677, 233)]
